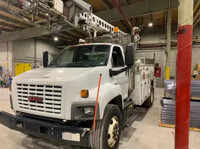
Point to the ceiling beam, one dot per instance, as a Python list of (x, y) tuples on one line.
[(4, 9), (11, 23), (30, 33), (24, 34), (5, 29), (65, 36), (138, 9), (4, 12), (14, 27), (8, 19)]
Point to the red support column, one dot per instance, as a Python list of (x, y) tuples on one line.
[(183, 76)]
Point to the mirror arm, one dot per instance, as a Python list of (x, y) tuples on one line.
[(116, 72)]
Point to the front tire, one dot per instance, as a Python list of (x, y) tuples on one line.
[(107, 132)]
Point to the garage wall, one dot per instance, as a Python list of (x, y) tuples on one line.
[(195, 55), (158, 33), (26, 51), (195, 58), (6, 58), (173, 55)]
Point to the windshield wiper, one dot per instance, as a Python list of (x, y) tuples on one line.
[(75, 65), (79, 65)]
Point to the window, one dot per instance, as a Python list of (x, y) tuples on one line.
[(82, 56), (117, 57)]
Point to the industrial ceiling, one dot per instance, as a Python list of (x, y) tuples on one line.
[(136, 13)]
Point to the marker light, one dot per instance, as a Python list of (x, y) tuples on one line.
[(84, 93), (116, 29)]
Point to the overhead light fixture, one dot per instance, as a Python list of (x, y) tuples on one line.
[(47, 14), (55, 38), (150, 24)]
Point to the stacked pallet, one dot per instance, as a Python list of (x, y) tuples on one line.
[(170, 89), (168, 112), (168, 103), (195, 89)]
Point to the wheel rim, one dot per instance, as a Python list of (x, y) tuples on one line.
[(113, 131)]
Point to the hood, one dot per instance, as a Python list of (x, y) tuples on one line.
[(54, 74)]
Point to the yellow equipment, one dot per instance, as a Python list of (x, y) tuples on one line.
[(22, 67)]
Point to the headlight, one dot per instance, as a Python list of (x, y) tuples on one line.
[(84, 111), (89, 111)]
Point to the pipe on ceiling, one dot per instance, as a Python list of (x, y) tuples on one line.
[(121, 12)]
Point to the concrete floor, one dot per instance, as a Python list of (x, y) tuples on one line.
[(143, 134)]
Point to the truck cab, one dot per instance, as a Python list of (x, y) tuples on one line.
[(76, 69)]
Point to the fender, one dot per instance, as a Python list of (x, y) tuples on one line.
[(108, 92)]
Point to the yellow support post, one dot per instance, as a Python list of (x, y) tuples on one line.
[(167, 73), (169, 22)]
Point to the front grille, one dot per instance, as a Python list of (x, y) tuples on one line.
[(51, 98)]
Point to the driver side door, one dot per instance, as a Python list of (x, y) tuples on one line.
[(117, 64)]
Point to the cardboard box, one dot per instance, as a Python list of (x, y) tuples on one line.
[(197, 77), (197, 67)]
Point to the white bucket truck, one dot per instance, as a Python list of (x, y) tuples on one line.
[(86, 94)]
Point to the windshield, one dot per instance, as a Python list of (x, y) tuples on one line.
[(82, 56)]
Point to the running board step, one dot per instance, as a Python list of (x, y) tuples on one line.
[(130, 120)]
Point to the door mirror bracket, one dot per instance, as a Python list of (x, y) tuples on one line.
[(116, 72)]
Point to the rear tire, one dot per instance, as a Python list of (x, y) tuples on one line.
[(149, 102), (107, 132)]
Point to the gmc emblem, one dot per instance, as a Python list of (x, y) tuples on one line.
[(37, 99)]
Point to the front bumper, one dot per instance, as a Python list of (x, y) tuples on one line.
[(47, 130)]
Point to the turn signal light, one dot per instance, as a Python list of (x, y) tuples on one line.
[(84, 93)]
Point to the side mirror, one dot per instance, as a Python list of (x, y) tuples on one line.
[(129, 55), (45, 58)]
